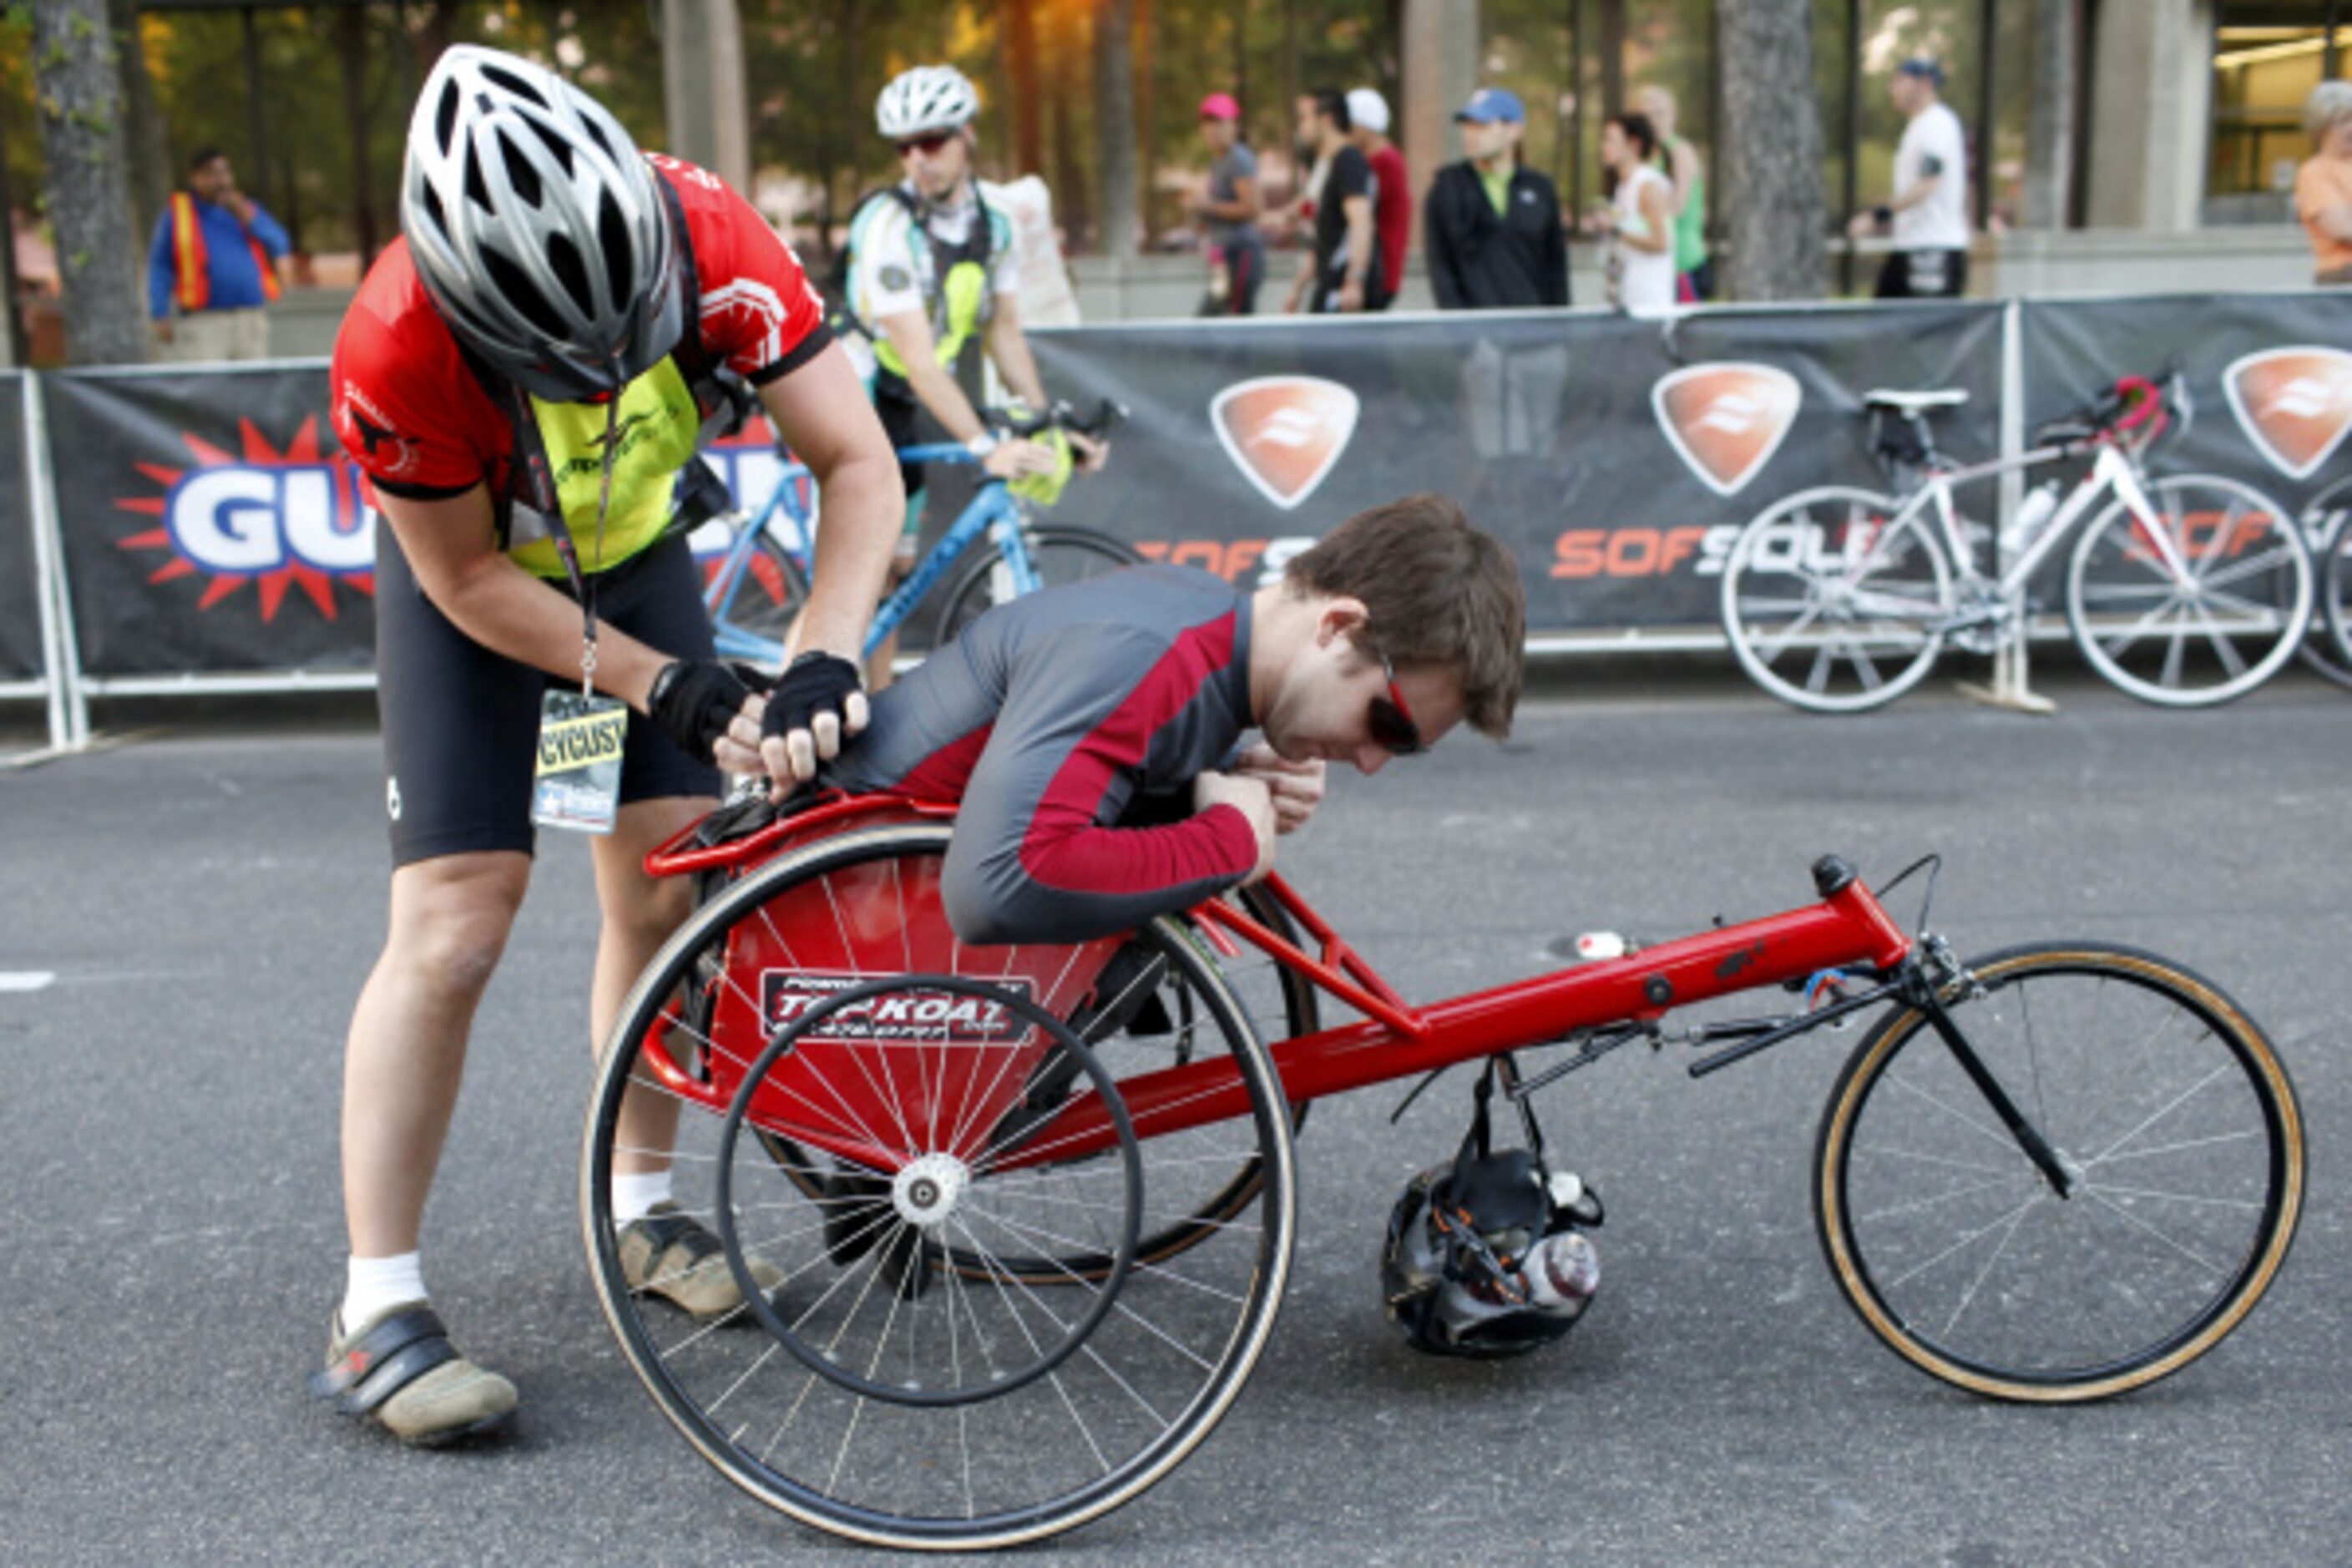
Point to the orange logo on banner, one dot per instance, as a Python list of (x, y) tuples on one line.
[(2294, 404), (1285, 432), (1727, 420)]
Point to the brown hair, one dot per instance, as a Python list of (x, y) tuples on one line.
[(1436, 593)]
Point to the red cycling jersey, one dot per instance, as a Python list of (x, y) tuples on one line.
[(417, 419)]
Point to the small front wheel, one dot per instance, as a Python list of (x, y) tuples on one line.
[(2205, 612), (1057, 555), (2181, 1142), (1835, 602)]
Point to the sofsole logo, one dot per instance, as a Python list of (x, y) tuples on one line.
[(894, 1017), (2294, 403), (279, 520), (1285, 433), (1724, 421)]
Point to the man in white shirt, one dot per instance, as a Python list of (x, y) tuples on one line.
[(1929, 212)]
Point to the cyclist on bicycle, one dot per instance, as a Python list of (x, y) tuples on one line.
[(932, 264), (1091, 733), (521, 378)]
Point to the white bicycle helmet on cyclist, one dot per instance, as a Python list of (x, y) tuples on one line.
[(926, 98), (536, 226)]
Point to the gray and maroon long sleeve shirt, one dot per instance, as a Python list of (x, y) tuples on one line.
[(1070, 724)]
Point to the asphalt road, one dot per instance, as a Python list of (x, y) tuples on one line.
[(209, 904)]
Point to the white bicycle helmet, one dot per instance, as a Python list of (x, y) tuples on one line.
[(927, 98), (534, 223)]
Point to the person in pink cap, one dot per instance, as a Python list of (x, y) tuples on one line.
[(1226, 205)]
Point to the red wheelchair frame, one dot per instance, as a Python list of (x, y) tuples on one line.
[(1846, 930)]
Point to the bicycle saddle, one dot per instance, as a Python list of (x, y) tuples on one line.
[(1912, 401)]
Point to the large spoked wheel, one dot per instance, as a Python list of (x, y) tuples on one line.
[(1147, 1010), (963, 1384), (2209, 618), (2164, 1100), (1059, 555), (1833, 604)]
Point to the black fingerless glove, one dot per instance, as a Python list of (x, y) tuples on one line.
[(816, 682), (693, 701)]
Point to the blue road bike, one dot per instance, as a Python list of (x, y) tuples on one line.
[(762, 579)]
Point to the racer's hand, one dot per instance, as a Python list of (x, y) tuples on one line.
[(1863, 224), (818, 702), (693, 701), (1252, 798), (1092, 454), (1296, 788), (1015, 458)]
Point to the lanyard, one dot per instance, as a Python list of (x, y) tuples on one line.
[(584, 585)]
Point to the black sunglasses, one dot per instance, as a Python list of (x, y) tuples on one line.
[(1391, 723), (926, 145)]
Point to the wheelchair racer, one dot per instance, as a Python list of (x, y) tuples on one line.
[(520, 379), (1092, 732), (932, 264)]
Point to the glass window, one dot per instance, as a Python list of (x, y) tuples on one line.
[(2267, 56)]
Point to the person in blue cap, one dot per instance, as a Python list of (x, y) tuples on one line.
[(1490, 226), (1928, 215)]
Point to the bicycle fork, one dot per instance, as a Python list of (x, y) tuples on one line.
[(2063, 1173)]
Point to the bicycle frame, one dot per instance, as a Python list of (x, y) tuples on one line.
[(993, 512), (2110, 470), (1847, 930)]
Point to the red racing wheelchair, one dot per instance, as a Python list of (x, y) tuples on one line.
[(1012, 1224)]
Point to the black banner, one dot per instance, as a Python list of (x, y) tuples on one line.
[(211, 523), (20, 609), (2268, 379), (1616, 457)]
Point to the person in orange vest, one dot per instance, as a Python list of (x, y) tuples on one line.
[(215, 262)]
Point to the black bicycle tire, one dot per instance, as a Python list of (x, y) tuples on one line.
[(1903, 1023), (955, 613), (1758, 667), (645, 1009)]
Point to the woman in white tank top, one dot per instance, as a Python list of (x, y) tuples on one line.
[(1640, 215)]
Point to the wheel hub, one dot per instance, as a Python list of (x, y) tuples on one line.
[(928, 1190)]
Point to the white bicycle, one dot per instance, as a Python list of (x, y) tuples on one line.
[(2185, 591)]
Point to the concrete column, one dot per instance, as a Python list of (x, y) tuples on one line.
[(1441, 70), (2151, 98), (707, 115)]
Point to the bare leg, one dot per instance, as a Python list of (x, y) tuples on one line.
[(406, 1051), (640, 912)]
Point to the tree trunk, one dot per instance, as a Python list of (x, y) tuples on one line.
[(1115, 123), (1147, 120), (1774, 210), (151, 168), (80, 90), (1072, 197), (1021, 66), (351, 46), (2049, 121)]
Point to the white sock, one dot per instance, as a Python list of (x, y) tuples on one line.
[(635, 1193), (376, 1283)]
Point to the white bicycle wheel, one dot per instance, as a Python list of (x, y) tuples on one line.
[(1834, 603), (2214, 628)]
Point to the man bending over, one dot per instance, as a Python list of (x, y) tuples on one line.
[(1092, 732)]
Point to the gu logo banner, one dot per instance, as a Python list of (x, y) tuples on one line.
[(285, 520), (910, 1017), (1285, 433), (2294, 403), (1724, 421)]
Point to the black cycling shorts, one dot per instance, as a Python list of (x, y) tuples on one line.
[(461, 723)]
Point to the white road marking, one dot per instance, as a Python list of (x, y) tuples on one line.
[(26, 979)]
